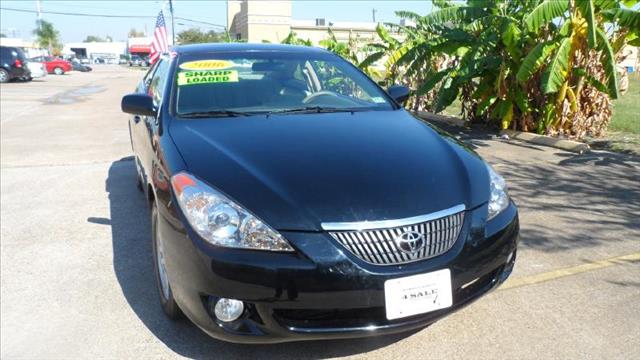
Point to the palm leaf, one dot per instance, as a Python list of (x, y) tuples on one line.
[(404, 14), (556, 72), (586, 8), (624, 17), (446, 95), (371, 59), (456, 14), (534, 60), (544, 13), (432, 81), (597, 84), (609, 63), (384, 35)]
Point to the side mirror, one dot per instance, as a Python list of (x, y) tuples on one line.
[(138, 104), (399, 93)]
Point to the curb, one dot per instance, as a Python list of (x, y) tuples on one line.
[(568, 145), (452, 120)]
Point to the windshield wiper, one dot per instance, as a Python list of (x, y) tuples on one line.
[(312, 109), (216, 113)]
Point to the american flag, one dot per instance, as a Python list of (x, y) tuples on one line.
[(159, 44)]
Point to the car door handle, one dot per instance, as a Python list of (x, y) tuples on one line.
[(137, 119)]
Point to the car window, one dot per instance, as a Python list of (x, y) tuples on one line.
[(156, 87), (146, 80), (268, 81)]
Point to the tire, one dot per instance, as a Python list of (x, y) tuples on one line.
[(167, 302), (139, 182), (58, 70), (4, 76)]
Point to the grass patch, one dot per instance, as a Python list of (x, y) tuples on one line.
[(626, 109)]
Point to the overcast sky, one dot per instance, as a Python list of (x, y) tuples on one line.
[(76, 28)]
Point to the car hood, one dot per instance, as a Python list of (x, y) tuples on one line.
[(298, 171)]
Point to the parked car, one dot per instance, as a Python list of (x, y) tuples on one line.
[(77, 66), (136, 61), (84, 60), (54, 65), (37, 70), (13, 64), (295, 199), (145, 61)]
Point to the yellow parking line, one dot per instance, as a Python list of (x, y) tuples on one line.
[(573, 270)]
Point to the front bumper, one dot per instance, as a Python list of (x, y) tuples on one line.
[(322, 291)]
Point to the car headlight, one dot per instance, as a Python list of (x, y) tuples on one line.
[(220, 221), (499, 199)]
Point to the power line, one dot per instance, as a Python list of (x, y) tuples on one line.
[(200, 22), (109, 16), (78, 14)]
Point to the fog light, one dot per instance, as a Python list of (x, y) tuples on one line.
[(228, 309)]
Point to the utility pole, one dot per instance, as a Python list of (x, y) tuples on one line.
[(373, 11), (39, 9), (173, 24)]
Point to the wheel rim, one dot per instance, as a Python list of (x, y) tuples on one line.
[(3, 76), (162, 270), (58, 71)]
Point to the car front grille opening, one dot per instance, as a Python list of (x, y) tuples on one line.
[(403, 244)]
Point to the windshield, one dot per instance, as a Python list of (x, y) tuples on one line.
[(250, 82)]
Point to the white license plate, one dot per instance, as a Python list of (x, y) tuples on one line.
[(417, 294)]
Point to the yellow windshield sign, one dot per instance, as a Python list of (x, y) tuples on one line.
[(206, 65), (207, 77)]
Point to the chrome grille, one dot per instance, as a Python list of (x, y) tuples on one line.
[(384, 246)]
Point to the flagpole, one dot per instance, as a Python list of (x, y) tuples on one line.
[(173, 24)]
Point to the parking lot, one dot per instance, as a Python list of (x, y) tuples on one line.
[(76, 266)]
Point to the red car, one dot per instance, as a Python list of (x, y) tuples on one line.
[(54, 65)]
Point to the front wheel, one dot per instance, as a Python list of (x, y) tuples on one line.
[(167, 302), (58, 71)]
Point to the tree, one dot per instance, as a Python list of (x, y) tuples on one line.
[(196, 36), (93, 38), (135, 33), (47, 36), (292, 39), (534, 65)]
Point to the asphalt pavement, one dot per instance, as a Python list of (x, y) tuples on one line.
[(76, 269)]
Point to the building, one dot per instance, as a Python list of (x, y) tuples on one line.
[(30, 48), (258, 21), (110, 51), (140, 46)]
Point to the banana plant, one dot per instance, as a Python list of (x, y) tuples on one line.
[(528, 64)]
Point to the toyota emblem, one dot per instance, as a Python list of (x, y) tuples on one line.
[(410, 242)]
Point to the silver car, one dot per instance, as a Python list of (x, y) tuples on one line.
[(37, 69)]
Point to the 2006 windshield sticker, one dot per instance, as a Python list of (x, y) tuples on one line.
[(207, 77), (206, 65)]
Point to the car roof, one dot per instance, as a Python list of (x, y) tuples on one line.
[(229, 47)]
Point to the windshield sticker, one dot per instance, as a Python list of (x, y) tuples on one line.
[(206, 65), (207, 77), (378, 100)]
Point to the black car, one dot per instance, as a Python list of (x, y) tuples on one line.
[(292, 198), (78, 66), (13, 64)]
